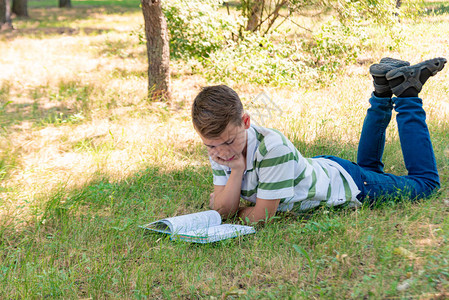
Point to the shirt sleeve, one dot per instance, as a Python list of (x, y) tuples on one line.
[(276, 174), (220, 173)]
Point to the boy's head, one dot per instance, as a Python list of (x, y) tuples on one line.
[(214, 108)]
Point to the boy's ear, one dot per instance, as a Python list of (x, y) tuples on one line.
[(246, 120)]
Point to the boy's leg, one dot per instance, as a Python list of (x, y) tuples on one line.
[(419, 158), (372, 140), (416, 146), (406, 83)]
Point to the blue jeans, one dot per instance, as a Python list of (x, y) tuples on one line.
[(374, 184)]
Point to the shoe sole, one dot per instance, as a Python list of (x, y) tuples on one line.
[(434, 65), (411, 74)]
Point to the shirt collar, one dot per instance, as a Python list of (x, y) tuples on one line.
[(251, 148)]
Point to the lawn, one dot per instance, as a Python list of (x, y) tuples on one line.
[(85, 159)]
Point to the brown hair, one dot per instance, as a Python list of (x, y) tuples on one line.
[(214, 108)]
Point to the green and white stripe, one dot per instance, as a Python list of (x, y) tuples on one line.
[(276, 170)]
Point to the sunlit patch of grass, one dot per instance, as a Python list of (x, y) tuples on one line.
[(5, 90), (124, 73), (8, 161), (117, 48), (61, 118)]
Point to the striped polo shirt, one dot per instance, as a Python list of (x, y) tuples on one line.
[(276, 170)]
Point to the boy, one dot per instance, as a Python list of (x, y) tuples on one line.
[(262, 166)]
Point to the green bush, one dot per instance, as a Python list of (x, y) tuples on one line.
[(383, 12), (198, 28), (336, 44), (258, 59)]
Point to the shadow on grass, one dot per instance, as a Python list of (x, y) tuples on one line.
[(43, 106), (55, 21), (36, 115), (45, 109), (118, 4), (51, 31), (149, 193), (99, 221), (157, 193), (436, 8)]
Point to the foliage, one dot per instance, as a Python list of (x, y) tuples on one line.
[(202, 32), (87, 3), (340, 41), (336, 44), (262, 15), (265, 16), (260, 60), (378, 11), (412, 9), (197, 28)]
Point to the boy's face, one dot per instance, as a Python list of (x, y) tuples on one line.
[(230, 145)]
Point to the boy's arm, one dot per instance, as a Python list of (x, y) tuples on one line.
[(226, 198), (277, 168), (261, 212)]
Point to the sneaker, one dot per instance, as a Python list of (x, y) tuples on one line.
[(412, 75), (385, 65), (378, 71)]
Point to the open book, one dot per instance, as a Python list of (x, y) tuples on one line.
[(202, 227)]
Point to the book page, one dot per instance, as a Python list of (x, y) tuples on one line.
[(226, 231), (194, 221), (215, 233), (160, 226)]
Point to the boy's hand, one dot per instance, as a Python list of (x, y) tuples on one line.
[(237, 161)]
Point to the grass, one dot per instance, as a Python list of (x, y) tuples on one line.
[(84, 3), (85, 159)]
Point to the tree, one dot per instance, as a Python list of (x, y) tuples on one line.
[(254, 10), (65, 3), (157, 49), (2, 12), (20, 8), (5, 15), (261, 15)]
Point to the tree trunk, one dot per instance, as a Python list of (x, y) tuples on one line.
[(2, 12), (254, 14), (65, 3), (157, 49), (5, 15), (20, 8)]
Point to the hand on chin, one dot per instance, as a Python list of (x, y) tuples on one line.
[(234, 161)]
